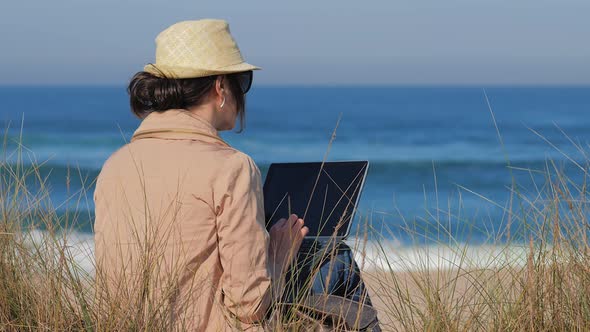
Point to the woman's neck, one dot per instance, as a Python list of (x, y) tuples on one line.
[(206, 113)]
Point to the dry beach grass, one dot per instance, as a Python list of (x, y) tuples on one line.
[(535, 277)]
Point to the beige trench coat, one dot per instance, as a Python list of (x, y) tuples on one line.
[(180, 222)]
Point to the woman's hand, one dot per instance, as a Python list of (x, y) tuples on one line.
[(285, 239)]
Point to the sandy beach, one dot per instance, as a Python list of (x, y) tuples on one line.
[(418, 300)]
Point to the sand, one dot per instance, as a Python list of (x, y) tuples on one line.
[(409, 294)]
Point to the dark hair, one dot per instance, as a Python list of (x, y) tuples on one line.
[(150, 93)]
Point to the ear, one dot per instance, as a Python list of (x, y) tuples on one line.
[(220, 85)]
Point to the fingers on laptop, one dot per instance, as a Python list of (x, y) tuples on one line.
[(292, 220), (281, 223), (304, 231), (295, 224), (298, 227)]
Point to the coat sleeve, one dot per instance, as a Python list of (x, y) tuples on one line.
[(246, 281)]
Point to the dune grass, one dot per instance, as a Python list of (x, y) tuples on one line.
[(533, 277), (530, 275)]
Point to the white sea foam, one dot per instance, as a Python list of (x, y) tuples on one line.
[(77, 245), (392, 256), (388, 255)]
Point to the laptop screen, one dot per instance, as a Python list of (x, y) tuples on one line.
[(326, 197)]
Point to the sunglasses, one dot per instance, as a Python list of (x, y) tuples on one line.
[(244, 80)]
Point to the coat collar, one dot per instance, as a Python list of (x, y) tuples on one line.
[(177, 124)]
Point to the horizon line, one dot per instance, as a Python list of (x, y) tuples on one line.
[(326, 85)]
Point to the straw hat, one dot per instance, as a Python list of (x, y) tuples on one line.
[(200, 48)]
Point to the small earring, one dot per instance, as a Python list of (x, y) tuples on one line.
[(222, 103)]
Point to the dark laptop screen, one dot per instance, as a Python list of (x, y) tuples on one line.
[(289, 188)]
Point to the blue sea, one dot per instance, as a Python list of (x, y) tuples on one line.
[(436, 153)]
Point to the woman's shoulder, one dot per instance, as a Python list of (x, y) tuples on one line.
[(224, 156), (115, 161), (240, 161), (220, 160)]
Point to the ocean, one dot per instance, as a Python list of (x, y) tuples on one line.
[(441, 168)]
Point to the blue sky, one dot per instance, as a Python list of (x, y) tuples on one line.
[(308, 41)]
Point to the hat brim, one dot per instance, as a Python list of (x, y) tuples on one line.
[(192, 72)]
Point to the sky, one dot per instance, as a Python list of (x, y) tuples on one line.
[(309, 42)]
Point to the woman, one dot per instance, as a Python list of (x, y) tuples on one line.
[(179, 213)]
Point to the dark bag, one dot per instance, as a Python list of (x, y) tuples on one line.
[(326, 292)]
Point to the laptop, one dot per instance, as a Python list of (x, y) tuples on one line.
[(324, 194)]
